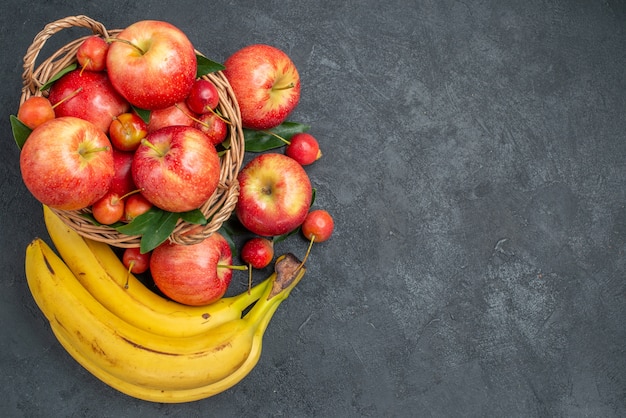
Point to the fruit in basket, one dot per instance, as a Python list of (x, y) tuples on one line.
[(266, 84), (152, 64), (135, 204), (196, 274), (67, 163), (176, 115), (304, 148), (92, 54), (176, 168), (203, 96), (88, 96), (108, 209), (212, 126), (122, 182), (34, 111), (126, 131), (275, 194)]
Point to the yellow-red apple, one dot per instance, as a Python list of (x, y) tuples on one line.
[(266, 84), (275, 194), (177, 168), (67, 163), (152, 64)]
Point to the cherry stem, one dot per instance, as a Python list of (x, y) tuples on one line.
[(206, 125), (85, 66), (130, 193), (286, 87), (69, 96), (277, 136), (124, 41), (130, 268), (249, 277), (229, 266), (306, 256)]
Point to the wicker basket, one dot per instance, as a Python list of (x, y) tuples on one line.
[(217, 209)]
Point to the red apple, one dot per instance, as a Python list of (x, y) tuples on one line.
[(192, 274), (176, 115), (96, 101), (92, 54), (177, 168), (266, 84), (152, 64), (67, 163), (275, 194), (122, 182)]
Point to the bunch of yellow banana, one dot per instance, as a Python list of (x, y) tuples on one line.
[(138, 342)]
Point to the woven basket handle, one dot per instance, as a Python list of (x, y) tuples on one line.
[(34, 80)]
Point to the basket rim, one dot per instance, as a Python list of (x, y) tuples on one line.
[(217, 209)]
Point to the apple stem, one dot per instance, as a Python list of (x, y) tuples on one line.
[(286, 87), (229, 266), (69, 96), (150, 145), (84, 152), (124, 41), (277, 136)]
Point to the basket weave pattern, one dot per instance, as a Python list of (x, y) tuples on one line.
[(217, 209)]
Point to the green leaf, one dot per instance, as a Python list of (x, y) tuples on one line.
[(313, 195), (259, 141), (58, 75), (141, 223), (206, 66), (143, 114), (279, 238), (162, 229), (194, 217), (20, 131), (226, 233)]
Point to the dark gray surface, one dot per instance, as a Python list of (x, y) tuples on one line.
[(474, 164)]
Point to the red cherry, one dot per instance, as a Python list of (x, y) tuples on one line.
[(34, 111), (318, 225), (127, 130), (91, 54), (136, 204), (258, 252), (213, 126), (135, 261), (203, 97), (303, 148), (108, 209)]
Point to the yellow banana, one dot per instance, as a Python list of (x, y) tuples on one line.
[(145, 365), (102, 273)]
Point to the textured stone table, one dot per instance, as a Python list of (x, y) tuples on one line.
[(474, 164)]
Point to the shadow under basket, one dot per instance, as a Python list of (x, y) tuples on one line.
[(220, 205)]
